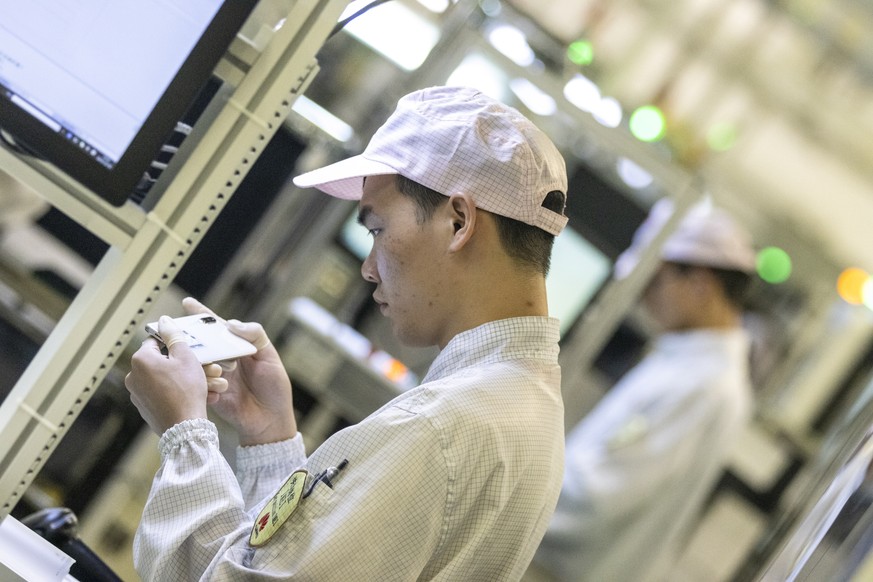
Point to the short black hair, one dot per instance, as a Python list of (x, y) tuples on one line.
[(530, 245)]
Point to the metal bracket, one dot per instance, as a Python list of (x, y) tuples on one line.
[(148, 246)]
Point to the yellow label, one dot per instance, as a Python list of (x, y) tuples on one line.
[(278, 509)]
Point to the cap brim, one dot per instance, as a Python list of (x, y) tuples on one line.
[(343, 179)]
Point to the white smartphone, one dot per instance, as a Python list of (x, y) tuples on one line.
[(209, 338)]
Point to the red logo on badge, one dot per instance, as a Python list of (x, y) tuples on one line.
[(262, 523)]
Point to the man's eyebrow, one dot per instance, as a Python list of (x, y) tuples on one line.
[(363, 214)]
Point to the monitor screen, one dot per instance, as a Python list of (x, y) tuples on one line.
[(578, 271), (95, 87)]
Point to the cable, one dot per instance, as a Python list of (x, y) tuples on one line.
[(19, 148), (342, 23), (161, 161)]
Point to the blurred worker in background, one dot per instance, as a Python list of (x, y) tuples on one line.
[(641, 464), (452, 480)]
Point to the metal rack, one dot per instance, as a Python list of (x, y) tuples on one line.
[(150, 242)]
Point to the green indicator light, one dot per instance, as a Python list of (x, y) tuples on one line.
[(581, 52), (648, 123), (774, 265), (721, 137)]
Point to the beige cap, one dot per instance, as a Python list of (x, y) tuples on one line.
[(458, 140), (706, 236)]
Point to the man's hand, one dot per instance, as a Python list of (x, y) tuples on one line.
[(167, 389), (254, 395)]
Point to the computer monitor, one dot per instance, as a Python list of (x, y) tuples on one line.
[(95, 88)]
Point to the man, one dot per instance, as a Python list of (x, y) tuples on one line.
[(454, 479), (640, 465)]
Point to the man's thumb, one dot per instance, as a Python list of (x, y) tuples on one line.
[(174, 338)]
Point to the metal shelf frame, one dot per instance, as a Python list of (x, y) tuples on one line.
[(148, 243)]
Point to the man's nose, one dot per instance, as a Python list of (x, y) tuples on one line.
[(368, 269)]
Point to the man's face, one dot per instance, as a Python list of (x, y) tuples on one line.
[(407, 263), (669, 296)]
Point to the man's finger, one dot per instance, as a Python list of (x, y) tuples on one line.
[(174, 338), (227, 365), (251, 331), (193, 307), (216, 385), (212, 370)]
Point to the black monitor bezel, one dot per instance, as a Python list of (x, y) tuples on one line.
[(116, 184)]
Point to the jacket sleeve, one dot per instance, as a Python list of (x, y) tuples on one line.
[(382, 519), (261, 469), (195, 506)]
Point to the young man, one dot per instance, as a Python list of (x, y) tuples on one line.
[(453, 480), (640, 465)]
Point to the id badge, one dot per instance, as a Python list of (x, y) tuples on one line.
[(277, 511)]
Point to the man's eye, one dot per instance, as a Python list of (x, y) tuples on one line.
[(373, 231)]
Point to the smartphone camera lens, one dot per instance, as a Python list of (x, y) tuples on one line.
[(207, 319)]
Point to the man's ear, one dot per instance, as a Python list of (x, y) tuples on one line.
[(462, 213)]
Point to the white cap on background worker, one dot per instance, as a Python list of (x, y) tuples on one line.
[(706, 236)]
